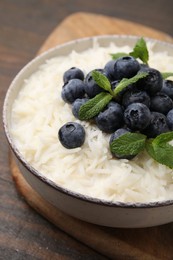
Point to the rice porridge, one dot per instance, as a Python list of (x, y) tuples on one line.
[(39, 112)]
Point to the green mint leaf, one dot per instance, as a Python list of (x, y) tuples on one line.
[(140, 51), (128, 144), (102, 81), (163, 138), (166, 75), (150, 149), (126, 82), (98, 103), (118, 55), (162, 154), (94, 106), (160, 150)]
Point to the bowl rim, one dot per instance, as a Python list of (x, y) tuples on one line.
[(40, 176)]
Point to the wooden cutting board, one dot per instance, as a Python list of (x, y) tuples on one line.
[(146, 243)]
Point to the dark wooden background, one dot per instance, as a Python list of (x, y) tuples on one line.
[(24, 25)]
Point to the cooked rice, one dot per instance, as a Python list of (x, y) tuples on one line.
[(39, 112)]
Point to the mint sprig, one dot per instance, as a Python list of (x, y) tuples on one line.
[(133, 143), (105, 84), (140, 51), (166, 75), (126, 82), (94, 106), (160, 149), (102, 81), (128, 144)]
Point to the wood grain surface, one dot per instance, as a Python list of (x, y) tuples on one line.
[(91, 24), (150, 243), (24, 26)]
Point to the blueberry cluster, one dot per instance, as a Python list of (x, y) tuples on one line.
[(145, 106)]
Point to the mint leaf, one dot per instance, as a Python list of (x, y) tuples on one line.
[(128, 144), (102, 81), (94, 106), (163, 138), (140, 51), (126, 82), (118, 55), (162, 154), (150, 149), (98, 103), (160, 150), (166, 75)]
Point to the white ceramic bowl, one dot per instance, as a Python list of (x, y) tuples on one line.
[(89, 209)]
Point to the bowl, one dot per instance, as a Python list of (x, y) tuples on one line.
[(93, 210)]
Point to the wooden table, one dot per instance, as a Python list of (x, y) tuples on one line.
[(24, 25)]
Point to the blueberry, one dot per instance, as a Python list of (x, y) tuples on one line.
[(135, 96), (151, 83), (170, 119), (125, 67), (91, 87), (71, 135), (116, 135), (114, 84), (72, 90), (158, 125), (77, 104), (167, 88), (109, 70), (111, 118), (137, 116), (161, 103), (73, 73)]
